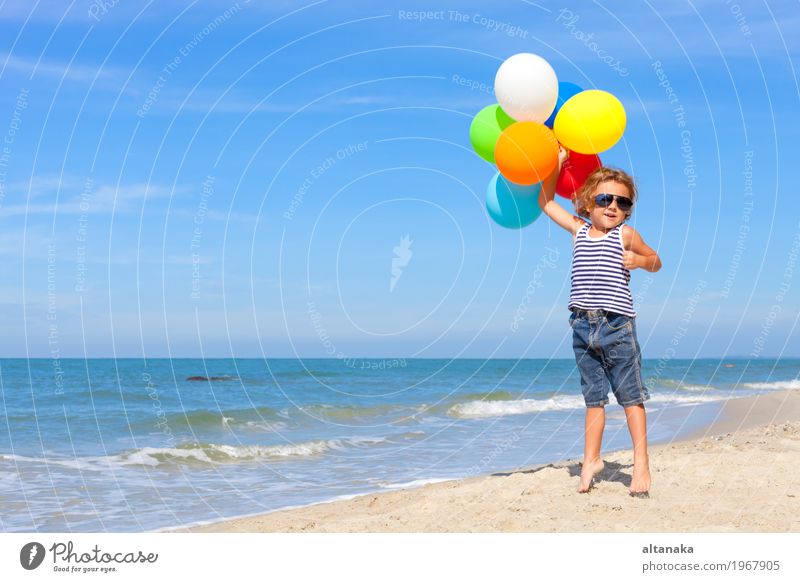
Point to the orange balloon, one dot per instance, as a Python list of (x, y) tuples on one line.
[(526, 152)]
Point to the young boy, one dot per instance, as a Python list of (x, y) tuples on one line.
[(606, 347)]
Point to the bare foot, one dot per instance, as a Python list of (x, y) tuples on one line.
[(640, 483), (589, 470)]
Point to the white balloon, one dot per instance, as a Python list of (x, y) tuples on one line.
[(526, 87)]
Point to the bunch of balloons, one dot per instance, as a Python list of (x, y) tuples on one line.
[(521, 134)]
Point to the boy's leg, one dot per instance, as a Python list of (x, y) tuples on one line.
[(637, 425), (593, 438), (594, 386), (624, 356)]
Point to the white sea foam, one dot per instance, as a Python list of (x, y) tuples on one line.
[(779, 385), (149, 456), (78, 463), (216, 453), (208, 453), (696, 387), (680, 399), (306, 449), (9, 477), (669, 385), (266, 426), (411, 484), (484, 408)]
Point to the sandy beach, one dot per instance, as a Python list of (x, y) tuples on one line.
[(739, 475)]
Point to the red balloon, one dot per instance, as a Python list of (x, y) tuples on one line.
[(574, 172)]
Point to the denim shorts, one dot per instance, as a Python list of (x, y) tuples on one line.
[(608, 354)]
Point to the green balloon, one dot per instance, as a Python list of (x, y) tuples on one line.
[(486, 129)]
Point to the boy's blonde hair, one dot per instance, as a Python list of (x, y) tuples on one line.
[(584, 197)]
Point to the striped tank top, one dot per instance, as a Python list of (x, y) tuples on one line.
[(599, 281)]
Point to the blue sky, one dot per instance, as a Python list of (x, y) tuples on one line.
[(221, 178)]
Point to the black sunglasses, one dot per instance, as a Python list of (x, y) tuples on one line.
[(605, 199)]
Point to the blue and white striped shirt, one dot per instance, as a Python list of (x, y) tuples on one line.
[(599, 281)]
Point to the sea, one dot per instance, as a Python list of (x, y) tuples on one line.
[(130, 445)]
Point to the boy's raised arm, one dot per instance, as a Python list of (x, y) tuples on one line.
[(547, 202)]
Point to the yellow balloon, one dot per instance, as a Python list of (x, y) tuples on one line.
[(590, 122)]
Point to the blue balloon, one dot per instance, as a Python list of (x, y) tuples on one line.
[(512, 205), (565, 91)]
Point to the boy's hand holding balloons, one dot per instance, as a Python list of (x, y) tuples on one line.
[(522, 133)]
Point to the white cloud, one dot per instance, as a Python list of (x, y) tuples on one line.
[(101, 199), (38, 67)]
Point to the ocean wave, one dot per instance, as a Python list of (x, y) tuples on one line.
[(491, 396), (482, 409), (9, 478), (417, 415), (211, 453), (258, 425), (779, 385), (696, 387), (349, 413), (485, 409), (681, 399), (258, 417), (668, 384), (77, 463), (205, 453)]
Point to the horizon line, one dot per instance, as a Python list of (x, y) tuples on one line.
[(371, 358)]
